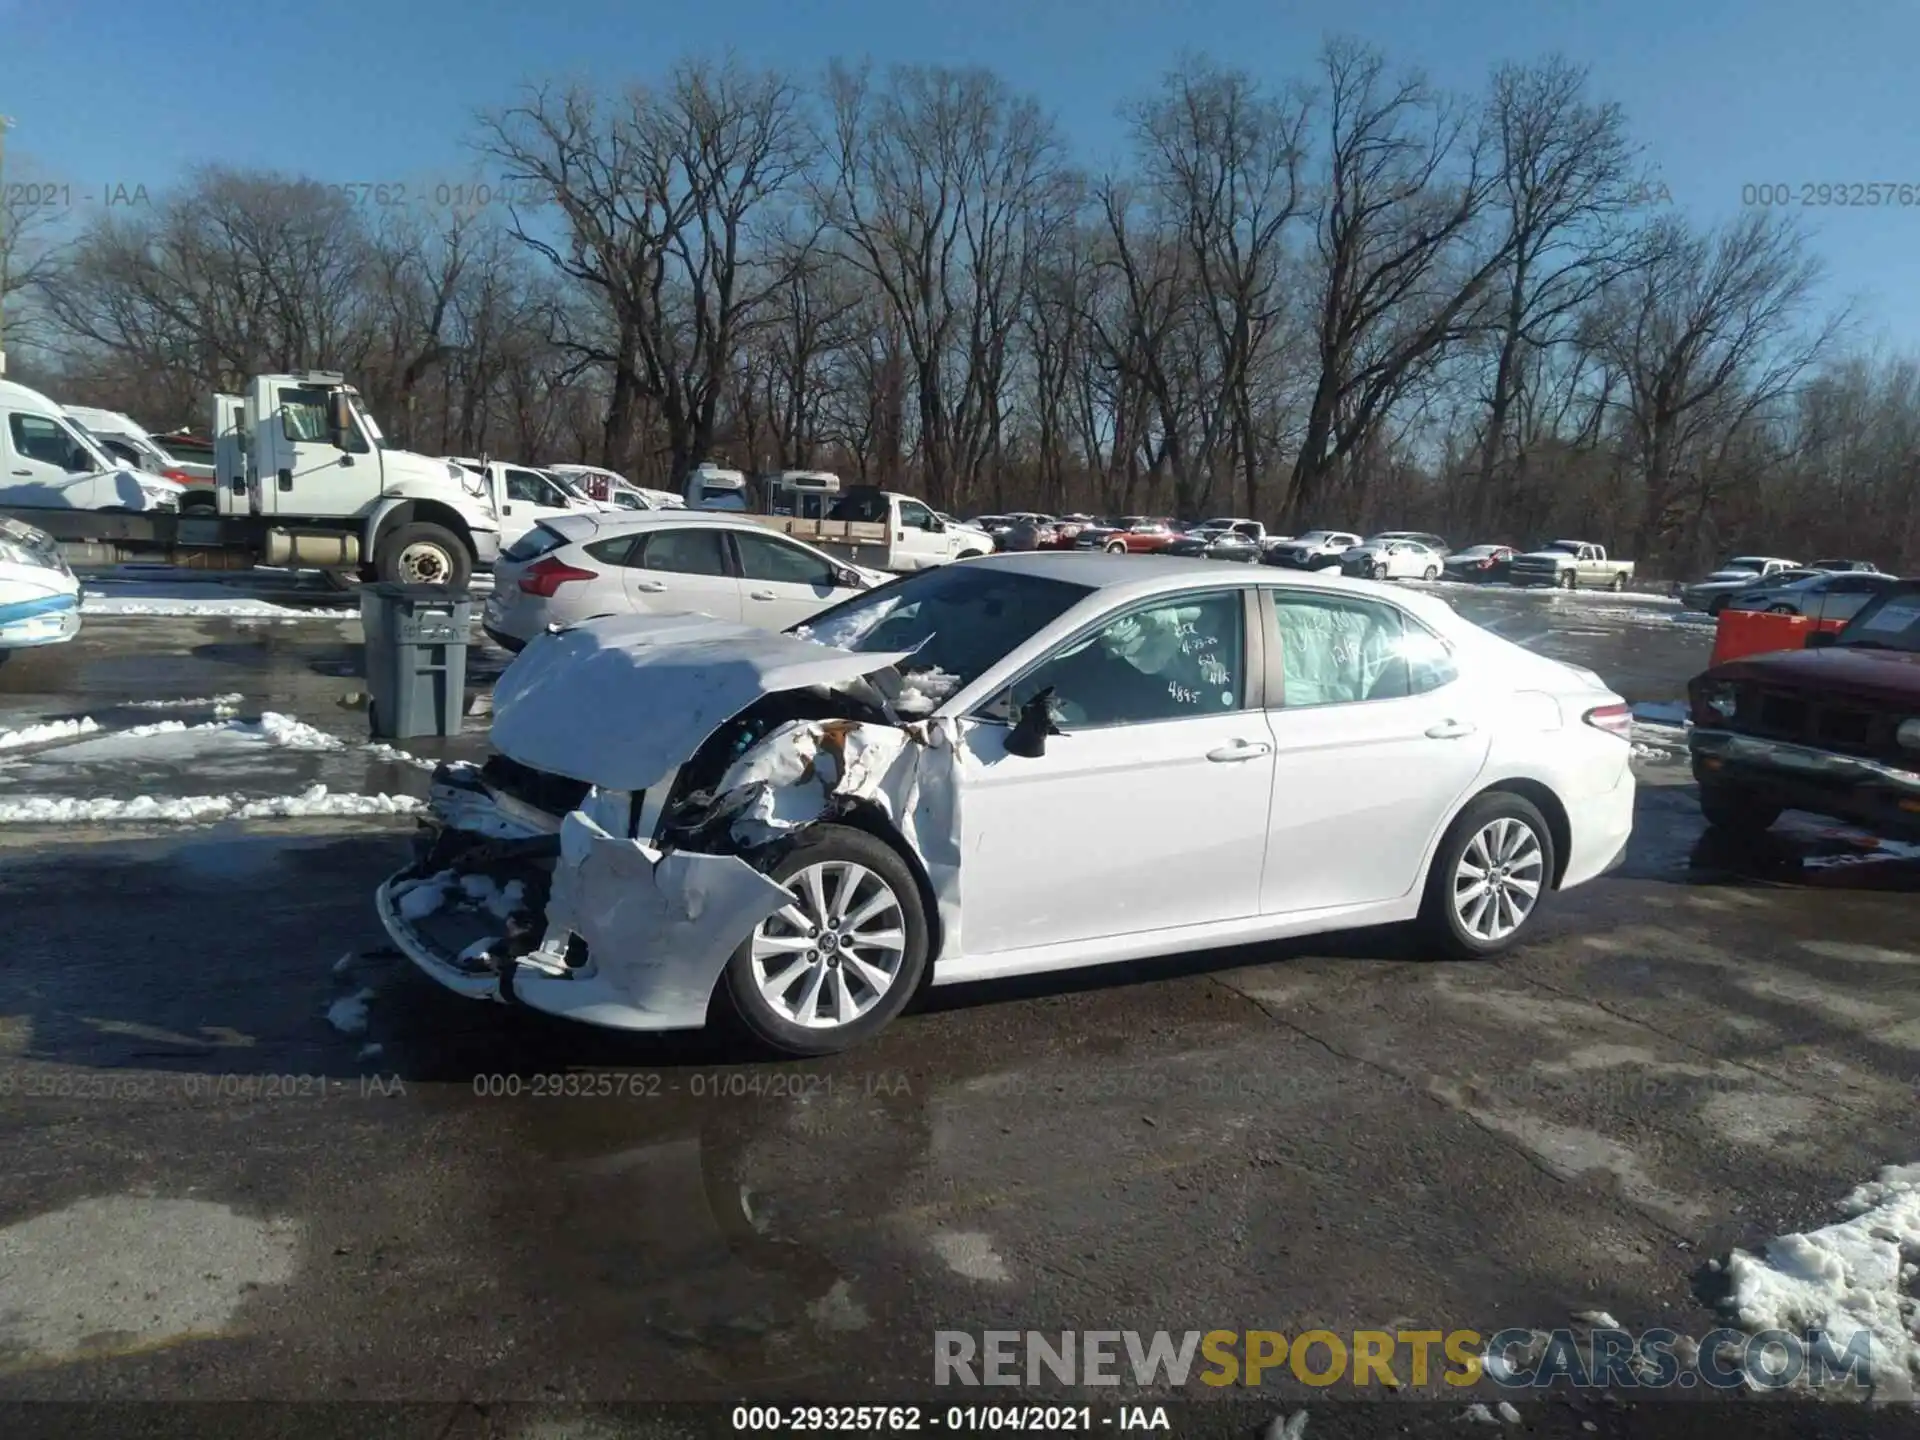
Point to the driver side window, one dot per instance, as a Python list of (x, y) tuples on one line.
[(915, 516), (528, 488), (1177, 657)]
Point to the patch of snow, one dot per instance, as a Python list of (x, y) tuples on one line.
[(218, 703), (1844, 1279), (348, 1014), (99, 603), (971, 1255), (923, 690), (343, 964), (421, 898), (51, 730), (1599, 1319), (1479, 1414), (1508, 1413), (848, 630), (289, 733), (381, 751), (371, 1052), (314, 802)]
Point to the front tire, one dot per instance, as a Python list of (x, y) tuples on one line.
[(1116, 547), (1727, 807), (1566, 580), (423, 554), (1493, 868), (834, 967)]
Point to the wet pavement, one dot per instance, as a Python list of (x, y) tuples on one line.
[(319, 1176)]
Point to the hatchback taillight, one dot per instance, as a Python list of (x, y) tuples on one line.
[(1614, 719), (549, 575)]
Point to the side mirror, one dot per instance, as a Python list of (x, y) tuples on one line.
[(854, 578), (1028, 738), (339, 419), (1821, 639)]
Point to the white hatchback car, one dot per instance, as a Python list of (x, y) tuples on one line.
[(1028, 762), (579, 566)]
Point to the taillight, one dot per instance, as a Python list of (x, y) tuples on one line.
[(179, 475), (549, 575), (1614, 719)]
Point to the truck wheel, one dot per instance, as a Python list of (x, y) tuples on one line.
[(423, 554), (1567, 580), (844, 957), (1619, 583), (1727, 807)]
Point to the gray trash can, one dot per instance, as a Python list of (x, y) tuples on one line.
[(416, 658)]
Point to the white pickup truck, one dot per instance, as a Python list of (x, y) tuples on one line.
[(883, 530), (1571, 565), (524, 496)]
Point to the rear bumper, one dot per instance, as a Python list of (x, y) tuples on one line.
[(1599, 828), (1881, 797)]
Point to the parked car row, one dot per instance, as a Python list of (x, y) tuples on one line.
[(1768, 582)]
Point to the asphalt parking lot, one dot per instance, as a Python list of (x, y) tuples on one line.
[(246, 1152)]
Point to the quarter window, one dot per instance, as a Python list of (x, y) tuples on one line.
[(616, 551), (764, 558), (1177, 657), (1336, 651), (685, 552)]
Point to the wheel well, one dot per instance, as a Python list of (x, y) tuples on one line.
[(866, 815), (1548, 804), (430, 512)]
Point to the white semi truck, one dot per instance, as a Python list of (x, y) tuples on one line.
[(304, 478)]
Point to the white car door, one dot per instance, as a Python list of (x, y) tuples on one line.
[(679, 568), (526, 499), (1149, 812), (1376, 737), (782, 583)]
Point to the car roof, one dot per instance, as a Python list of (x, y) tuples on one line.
[(1128, 576)]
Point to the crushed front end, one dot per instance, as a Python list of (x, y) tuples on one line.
[(621, 906)]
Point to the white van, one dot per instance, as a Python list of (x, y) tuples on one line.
[(124, 438), (711, 488), (48, 461)]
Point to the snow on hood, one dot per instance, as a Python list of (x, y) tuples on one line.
[(622, 701)]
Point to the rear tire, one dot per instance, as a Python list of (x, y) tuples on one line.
[(423, 554), (835, 854), (1727, 807), (1619, 584), (1433, 573), (1509, 834)]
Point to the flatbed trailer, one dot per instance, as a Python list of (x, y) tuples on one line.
[(191, 540)]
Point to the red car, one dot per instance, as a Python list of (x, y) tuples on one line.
[(1833, 729), (1132, 534)]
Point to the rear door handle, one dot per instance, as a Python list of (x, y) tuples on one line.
[(762, 595), (652, 587), (1449, 730), (1240, 750)]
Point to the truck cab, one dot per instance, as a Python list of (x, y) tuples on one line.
[(711, 488), (523, 496), (301, 455), (915, 537)]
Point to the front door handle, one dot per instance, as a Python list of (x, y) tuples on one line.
[(762, 595), (23, 472), (652, 587), (1449, 730), (1240, 750)]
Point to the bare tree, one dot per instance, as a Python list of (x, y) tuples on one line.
[(930, 181), (657, 195), (1401, 273)]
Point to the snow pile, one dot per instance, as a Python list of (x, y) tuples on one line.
[(51, 730), (1845, 1279), (289, 733), (922, 690), (315, 801)]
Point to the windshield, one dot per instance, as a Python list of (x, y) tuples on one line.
[(957, 619), (1890, 621), (369, 425), (567, 483)]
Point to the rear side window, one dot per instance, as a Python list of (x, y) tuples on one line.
[(612, 551), (1339, 651), (535, 543), (685, 551)]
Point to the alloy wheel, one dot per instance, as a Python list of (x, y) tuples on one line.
[(1497, 881), (834, 953)]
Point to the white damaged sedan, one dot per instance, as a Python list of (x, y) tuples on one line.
[(1029, 762)]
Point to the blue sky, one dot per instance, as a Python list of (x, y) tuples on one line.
[(1722, 93)]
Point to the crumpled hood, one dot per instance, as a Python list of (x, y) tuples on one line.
[(620, 702)]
